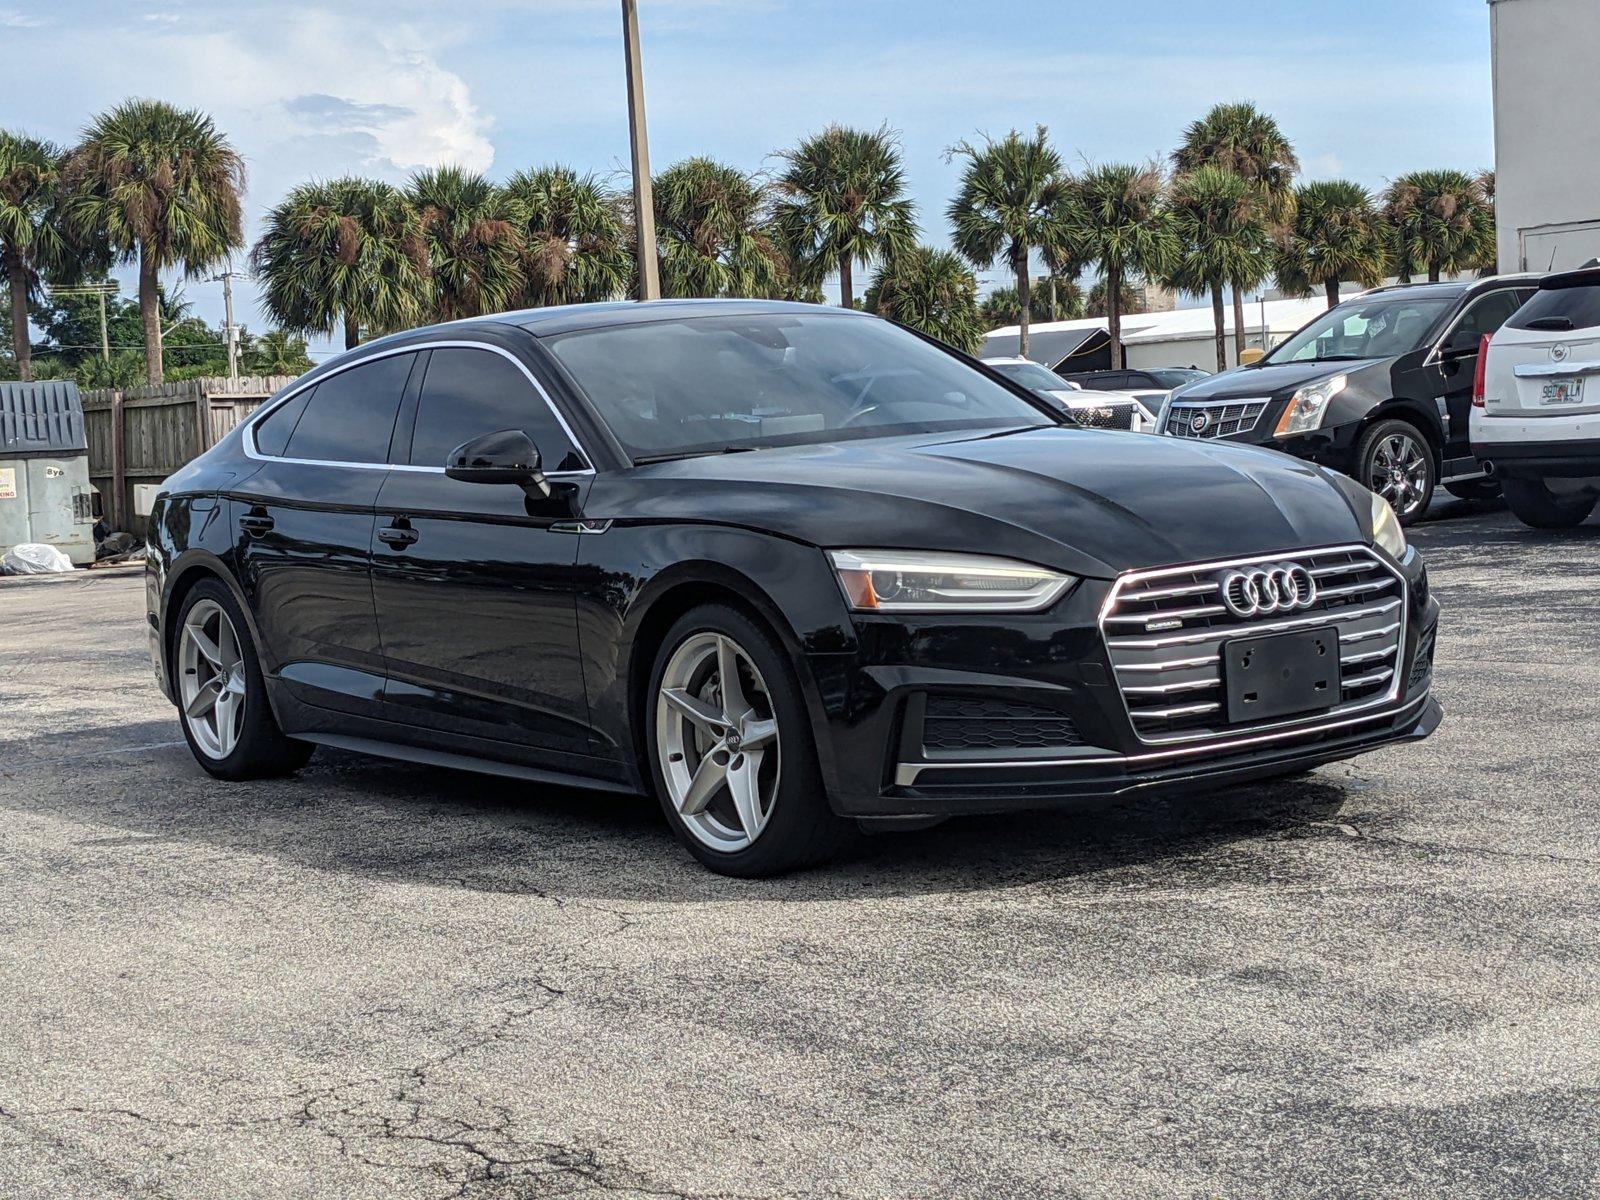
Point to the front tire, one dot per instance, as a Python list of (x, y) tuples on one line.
[(222, 699), (731, 752), (1395, 460), (1535, 504)]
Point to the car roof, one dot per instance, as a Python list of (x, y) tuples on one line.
[(1452, 288)]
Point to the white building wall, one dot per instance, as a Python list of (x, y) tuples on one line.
[(1547, 132)]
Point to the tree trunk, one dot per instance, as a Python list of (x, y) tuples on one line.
[(847, 291), (1332, 288), (19, 317), (1055, 310), (150, 313), (1238, 324), (1020, 265), (1219, 317), (352, 332), (1114, 314), (1434, 270)]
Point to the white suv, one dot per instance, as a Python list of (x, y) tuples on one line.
[(1536, 402), (1100, 410)]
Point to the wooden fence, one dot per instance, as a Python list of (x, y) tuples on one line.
[(141, 435)]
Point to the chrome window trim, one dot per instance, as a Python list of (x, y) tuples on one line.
[(906, 773), (1208, 739), (248, 436)]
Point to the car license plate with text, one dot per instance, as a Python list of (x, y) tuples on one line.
[(1562, 391)]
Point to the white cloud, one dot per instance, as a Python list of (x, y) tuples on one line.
[(11, 18)]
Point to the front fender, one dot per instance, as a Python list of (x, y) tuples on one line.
[(640, 578)]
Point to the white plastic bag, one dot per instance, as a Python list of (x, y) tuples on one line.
[(33, 558)]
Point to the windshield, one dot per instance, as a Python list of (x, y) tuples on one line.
[(1379, 327), (1175, 376), (1032, 375), (707, 384)]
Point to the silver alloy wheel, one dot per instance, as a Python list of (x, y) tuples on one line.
[(211, 687), (717, 741), (1399, 472)]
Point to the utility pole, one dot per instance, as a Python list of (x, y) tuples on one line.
[(232, 329), (644, 213), (105, 336)]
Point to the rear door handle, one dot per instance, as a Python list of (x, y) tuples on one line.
[(398, 536), (256, 523)]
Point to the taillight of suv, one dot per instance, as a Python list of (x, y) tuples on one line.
[(1478, 376)]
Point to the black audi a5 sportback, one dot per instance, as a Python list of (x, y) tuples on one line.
[(792, 569), (1379, 387)]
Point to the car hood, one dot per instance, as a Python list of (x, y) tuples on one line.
[(1091, 502), (1268, 379)]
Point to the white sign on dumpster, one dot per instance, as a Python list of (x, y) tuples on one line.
[(8, 483)]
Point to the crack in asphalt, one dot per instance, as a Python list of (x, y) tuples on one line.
[(394, 1109)]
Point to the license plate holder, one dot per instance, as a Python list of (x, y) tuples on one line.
[(1281, 674), (1562, 391)]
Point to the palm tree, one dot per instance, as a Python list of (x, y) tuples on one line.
[(1337, 234), (1439, 220), (1218, 218), (713, 230), (1117, 216), (1010, 202), (472, 235), (345, 252), (1243, 139), (163, 187), (932, 291), (30, 236), (845, 202), (1001, 306), (279, 352), (1130, 300), (574, 237)]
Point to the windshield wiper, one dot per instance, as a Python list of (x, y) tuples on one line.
[(640, 460)]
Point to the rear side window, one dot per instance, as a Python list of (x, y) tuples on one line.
[(350, 416), (1554, 310), (1490, 312), (273, 430), (468, 393)]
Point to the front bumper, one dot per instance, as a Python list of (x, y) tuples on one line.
[(875, 742)]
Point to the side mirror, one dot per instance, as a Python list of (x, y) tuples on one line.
[(508, 456)]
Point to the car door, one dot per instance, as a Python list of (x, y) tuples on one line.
[(304, 531), (1454, 364), (474, 584)]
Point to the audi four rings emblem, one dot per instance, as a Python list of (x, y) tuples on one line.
[(1262, 591)]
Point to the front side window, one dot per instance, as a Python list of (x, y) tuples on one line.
[(349, 417), (1488, 313), (1380, 327), (468, 393), (703, 384), (273, 430)]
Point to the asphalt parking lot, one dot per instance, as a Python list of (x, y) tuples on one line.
[(379, 980)]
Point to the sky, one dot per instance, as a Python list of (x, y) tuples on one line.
[(1366, 89)]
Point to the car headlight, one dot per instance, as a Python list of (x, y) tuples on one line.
[(1308, 406), (1386, 530), (910, 581)]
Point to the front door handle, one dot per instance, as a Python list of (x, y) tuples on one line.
[(256, 522), (398, 536)]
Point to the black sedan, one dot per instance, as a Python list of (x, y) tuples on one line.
[(792, 569)]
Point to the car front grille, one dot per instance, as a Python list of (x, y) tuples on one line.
[(976, 723), (1104, 416), (1165, 630), (1214, 420)]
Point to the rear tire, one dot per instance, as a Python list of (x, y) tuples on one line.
[(1395, 459), (1536, 505), (222, 700), (759, 769)]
